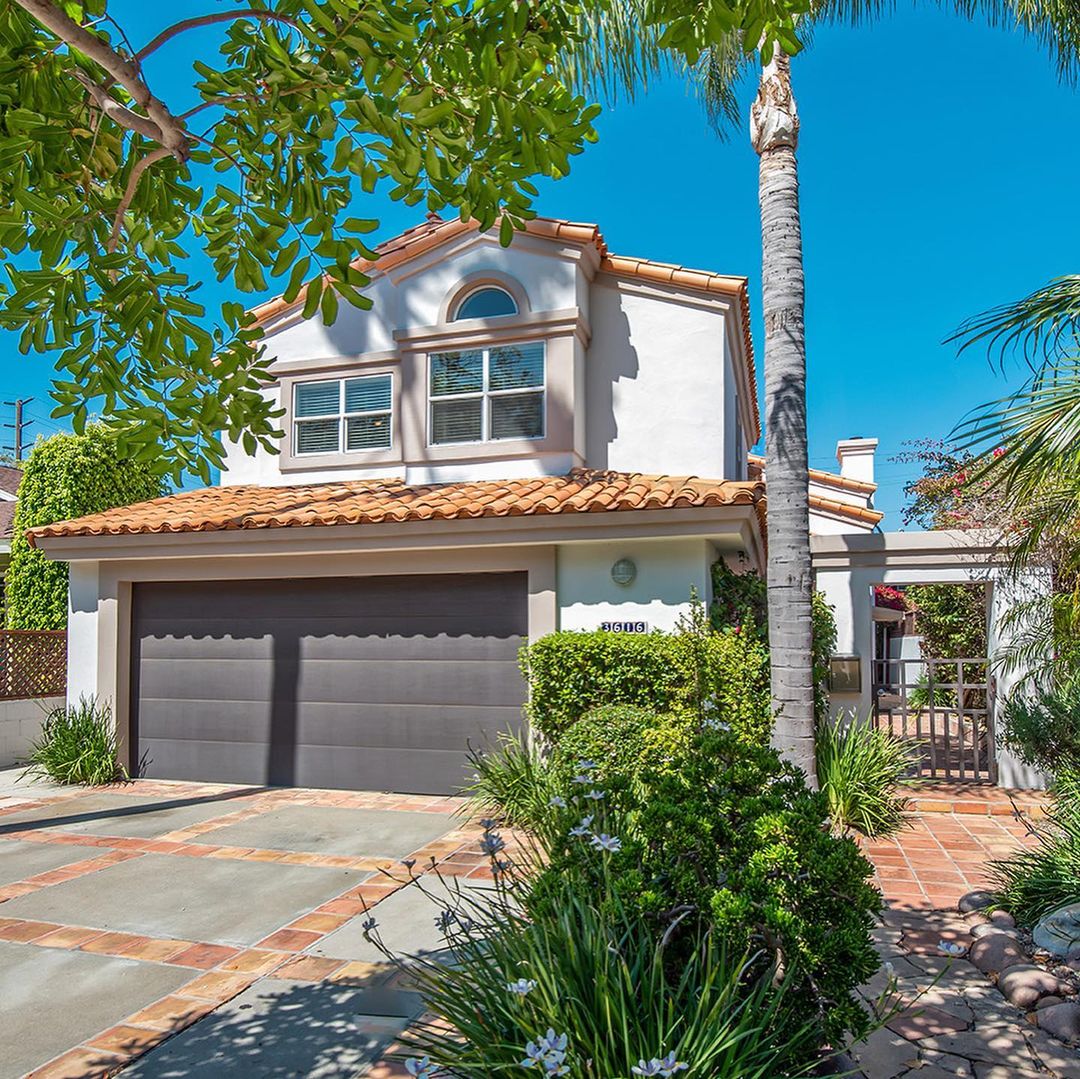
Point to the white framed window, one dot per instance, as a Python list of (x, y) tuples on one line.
[(488, 301), (343, 415), (487, 394)]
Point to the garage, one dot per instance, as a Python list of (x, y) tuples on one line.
[(363, 683)]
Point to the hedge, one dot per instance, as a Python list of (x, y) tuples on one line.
[(65, 476), (571, 672)]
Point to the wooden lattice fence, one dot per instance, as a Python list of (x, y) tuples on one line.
[(33, 663)]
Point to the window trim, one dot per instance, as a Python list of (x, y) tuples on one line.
[(483, 286), (484, 395), (342, 416)]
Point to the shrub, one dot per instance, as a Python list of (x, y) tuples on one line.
[(859, 769), (571, 673), (1036, 880), (77, 744), (723, 835), (597, 981), (65, 476), (512, 781), (1044, 730)]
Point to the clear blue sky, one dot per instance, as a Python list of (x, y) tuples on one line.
[(939, 167)]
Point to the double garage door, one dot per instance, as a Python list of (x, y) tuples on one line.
[(364, 683)]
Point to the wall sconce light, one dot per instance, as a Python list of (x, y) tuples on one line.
[(845, 674), (624, 572)]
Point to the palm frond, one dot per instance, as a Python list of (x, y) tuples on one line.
[(1037, 328), (716, 80), (615, 51)]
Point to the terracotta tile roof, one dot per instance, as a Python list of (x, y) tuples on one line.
[(833, 479), (846, 509), (215, 509), (7, 519), (10, 478), (435, 231)]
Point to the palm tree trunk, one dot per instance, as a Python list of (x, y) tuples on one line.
[(774, 127)]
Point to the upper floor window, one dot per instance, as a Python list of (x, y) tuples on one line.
[(487, 302), (349, 413), (487, 394)]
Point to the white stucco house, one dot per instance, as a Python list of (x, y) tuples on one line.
[(511, 441)]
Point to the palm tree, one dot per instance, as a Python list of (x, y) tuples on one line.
[(620, 50)]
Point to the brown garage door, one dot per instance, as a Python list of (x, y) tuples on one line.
[(375, 683)]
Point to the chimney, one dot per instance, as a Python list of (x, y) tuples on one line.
[(856, 458)]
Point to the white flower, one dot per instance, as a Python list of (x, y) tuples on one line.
[(583, 779), (714, 724), (951, 948), (606, 842), (421, 1069), (557, 801), (583, 828), (587, 766), (522, 987), (890, 970), (595, 795), (547, 1053)]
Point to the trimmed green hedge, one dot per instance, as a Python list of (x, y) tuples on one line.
[(572, 672), (65, 476)]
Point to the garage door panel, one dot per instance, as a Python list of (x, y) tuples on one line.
[(429, 771), (418, 681), (402, 726), (205, 762), (349, 682), (204, 719)]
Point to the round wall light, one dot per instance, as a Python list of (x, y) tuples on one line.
[(623, 572)]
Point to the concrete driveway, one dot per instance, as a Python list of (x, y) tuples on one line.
[(176, 929)]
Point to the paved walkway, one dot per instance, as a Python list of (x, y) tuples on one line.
[(177, 929), (959, 1025)]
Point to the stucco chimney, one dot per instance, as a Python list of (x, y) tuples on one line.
[(856, 458)]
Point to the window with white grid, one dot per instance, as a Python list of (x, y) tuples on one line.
[(343, 415)]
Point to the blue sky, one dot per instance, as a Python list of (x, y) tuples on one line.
[(938, 164)]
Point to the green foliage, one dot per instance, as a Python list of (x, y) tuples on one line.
[(1043, 729), (512, 781), (77, 744), (306, 107), (860, 768), (720, 834), (598, 976), (571, 673), (951, 618), (1040, 878), (65, 476)]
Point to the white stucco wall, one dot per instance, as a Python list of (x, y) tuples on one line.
[(667, 570), (655, 385)]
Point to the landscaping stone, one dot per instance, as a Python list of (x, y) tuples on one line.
[(1024, 983), (925, 1021), (1002, 918), (974, 901), (987, 929), (1059, 931), (996, 952), (1062, 1021), (1048, 1002)]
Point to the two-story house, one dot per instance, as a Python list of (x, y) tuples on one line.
[(511, 441)]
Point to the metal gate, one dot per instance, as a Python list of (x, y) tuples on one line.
[(945, 707)]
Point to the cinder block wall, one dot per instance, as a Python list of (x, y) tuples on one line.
[(20, 724)]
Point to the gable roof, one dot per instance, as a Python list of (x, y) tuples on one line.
[(834, 506), (435, 231), (357, 502), (10, 478)]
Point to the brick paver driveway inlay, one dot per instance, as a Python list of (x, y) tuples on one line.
[(182, 925)]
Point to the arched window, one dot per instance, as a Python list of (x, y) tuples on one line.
[(486, 302)]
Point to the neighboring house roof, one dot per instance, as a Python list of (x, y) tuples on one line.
[(215, 509), (435, 231), (846, 509), (10, 478), (7, 519), (832, 479)]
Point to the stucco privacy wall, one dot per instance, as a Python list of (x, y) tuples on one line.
[(848, 567), (641, 378), (667, 571), (20, 725)]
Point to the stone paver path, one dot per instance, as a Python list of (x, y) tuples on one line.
[(959, 1027)]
